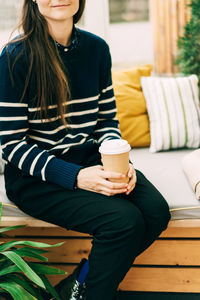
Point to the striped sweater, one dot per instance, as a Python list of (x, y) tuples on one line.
[(46, 148)]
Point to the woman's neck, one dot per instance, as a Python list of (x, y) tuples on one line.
[(61, 32)]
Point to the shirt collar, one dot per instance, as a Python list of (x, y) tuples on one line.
[(74, 42)]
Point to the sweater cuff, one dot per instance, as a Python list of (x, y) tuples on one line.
[(62, 173)]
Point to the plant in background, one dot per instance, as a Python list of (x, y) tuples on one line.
[(188, 55), (21, 279)]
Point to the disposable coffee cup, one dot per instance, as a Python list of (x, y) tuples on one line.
[(115, 157)]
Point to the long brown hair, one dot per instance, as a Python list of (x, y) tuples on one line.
[(52, 84)]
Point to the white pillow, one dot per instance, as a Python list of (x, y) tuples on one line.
[(174, 113)]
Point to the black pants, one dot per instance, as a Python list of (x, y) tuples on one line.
[(122, 226)]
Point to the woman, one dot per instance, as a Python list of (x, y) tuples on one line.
[(56, 107)]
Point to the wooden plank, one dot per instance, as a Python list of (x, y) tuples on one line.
[(161, 252), (32, 222), (72, 251), (29, 221), (168, 19), (188, 11), (162, 40), (181, 232), (153, 11), (186, 280), (185, 223), (45, 231), (174, 32), (168, 52), (171, 252), (176, 228)]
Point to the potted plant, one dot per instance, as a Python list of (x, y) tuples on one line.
[(20, 279)]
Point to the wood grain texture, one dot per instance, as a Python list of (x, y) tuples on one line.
[(168, 18), (152, 279)]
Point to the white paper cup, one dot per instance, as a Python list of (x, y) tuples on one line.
[(115, 157)]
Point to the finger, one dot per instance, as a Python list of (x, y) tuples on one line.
[(128, 192), (130, 189), (114, 175), (114, 185), (111, 192), (134, 178), (131, 185), (131, 171)]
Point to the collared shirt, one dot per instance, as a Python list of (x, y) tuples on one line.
[(74, 43)]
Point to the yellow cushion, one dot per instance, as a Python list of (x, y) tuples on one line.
[(131, 105)]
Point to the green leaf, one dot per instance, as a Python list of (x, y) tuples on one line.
[(24, 267), (35, 250), (22, 281), (44, 269), (16, 291), (10, 244), (10, 228), (8, 270), (50, 288), (4, 263), (27, 252)]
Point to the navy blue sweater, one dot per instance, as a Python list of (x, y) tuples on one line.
[(49, 150)]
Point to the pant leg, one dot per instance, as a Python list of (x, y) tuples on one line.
[(153, 207), (116, 224)]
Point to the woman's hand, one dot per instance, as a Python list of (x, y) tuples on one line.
[(95, 179), (132, 179)]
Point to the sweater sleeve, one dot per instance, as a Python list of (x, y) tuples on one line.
[(14, 129), (107, 126)]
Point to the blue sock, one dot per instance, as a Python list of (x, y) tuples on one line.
[(83, 272)]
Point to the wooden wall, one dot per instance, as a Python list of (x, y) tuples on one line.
[(168, 19)]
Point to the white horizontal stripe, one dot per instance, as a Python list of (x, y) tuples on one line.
[(12, 142), (70, 145), (43, 169), (40, 121), (79, 113), (82, 125), (107, 129), (8, 104), (108, 135), (113, 119), (84, 100), (74, 136), (107, 89), (57, 142), (14, 118), (24, 156), (32, 109), (51, 131), (108, 111), (35, 162), (5, 132), (44, 140), (84, 112), (107, 100), (15, 149)]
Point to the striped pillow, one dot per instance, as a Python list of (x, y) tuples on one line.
[(174, 113)]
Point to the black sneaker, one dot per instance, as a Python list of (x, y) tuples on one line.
[(69, 288)]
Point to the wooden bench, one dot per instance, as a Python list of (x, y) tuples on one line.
[(171, 264)]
